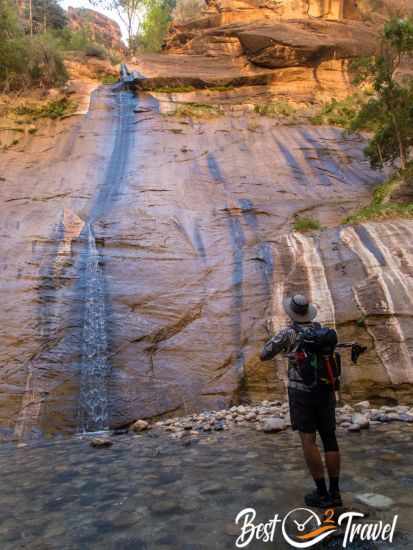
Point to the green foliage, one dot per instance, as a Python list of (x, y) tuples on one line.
[(154, 26), (45, 64), (389, 114), (186, 88), (173, 89), (340, 113), (109, 79), (361, 323), (223, 88), (47, 14), (196, 110), (53, 109), (26, 61), (96, 50), (275, 109), (305, 224), (381, 212), (114, 58), (74, 40), (381, 206)]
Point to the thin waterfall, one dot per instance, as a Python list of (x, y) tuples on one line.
[(95, 366)]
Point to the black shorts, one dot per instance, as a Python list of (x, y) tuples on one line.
[(312, 411)]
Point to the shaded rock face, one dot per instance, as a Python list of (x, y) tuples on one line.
[(192, 222), (102, 29)]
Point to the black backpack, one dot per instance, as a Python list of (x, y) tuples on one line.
[(318, 362)]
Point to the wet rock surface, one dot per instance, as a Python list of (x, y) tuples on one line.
[(192, 223), (148, 491)]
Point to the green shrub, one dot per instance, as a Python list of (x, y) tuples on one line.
[(109, 79), (378, 212), (53, 109), (26, 61), (306, 224), (275, 109), (115, 59), (173, 89), (73, 40), (96, 50), (196, 110), (154, 26), (46, 65), (223, 88), (381, 207), (340, 113)]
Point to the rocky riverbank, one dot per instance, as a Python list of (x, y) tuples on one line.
[(274, 416)]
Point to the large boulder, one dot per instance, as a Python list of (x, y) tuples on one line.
[(305, 42)]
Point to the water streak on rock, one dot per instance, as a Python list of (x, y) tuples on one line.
[(95, 366)]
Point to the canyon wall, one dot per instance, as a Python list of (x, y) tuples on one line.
[(197, 249), (193, 225), (300, 50), (102, 29)]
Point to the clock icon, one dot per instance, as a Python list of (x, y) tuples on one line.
[(302, 528)]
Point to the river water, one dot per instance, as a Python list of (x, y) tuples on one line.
[(150, 492)]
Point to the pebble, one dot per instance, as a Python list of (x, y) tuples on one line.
[(140, 426), (273, 417), (362, 405), (360, 420), (353, 428), (163, 506), (373, 500), (101, 442), (273, 425)]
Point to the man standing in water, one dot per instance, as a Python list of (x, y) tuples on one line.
[(312, 407)]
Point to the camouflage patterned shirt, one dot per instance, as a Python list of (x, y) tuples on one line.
[(285, 342)]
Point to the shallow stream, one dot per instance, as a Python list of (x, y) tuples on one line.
[(150, 492)]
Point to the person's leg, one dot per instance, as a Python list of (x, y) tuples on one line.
[(303, 420), (320, 498), (333, 464), (332, 458), (312, 455), (326, 423)]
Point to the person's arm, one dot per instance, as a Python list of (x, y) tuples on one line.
[(282, 341)]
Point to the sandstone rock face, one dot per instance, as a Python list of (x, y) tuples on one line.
[(102, 28), (304, 43), (193, 224), (295, 33), (304, 40)]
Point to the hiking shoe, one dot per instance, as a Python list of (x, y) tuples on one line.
[(336, 499), (316, 500)]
